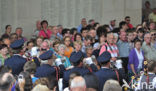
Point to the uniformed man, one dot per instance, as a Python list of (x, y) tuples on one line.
[(105, 73), (16, 62), (46, 69), (77, 60)]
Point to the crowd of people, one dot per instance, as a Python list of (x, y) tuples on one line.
[(91, 57)]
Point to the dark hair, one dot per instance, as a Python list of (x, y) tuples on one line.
[(73, 30), (77, 34), (140, 30), (64, 31), (84, 29), (127, 17), (4, 69), (95, 24), (91, 81), (6, 27), (122, 23), (52, 82), (3, 46), (28, 81), (101, 30), (137, 40), (147, 2), (31, 41), (44, 21)]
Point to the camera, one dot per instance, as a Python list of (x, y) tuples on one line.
[(20, 78)]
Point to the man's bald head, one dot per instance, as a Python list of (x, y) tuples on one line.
[(78, 84)]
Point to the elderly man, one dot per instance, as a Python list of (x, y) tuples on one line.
[(148, 47), (78, 84), (82, 25), (124, 49), (110, 47)]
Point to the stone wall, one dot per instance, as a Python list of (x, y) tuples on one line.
[(24, 13)]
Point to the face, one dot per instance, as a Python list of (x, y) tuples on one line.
[(55, 30), (112, 23), (87, 42), (127, 20), (67, 41), (56, 47), (78, 38), (44, 25), (4, 51), (84, 33), (153, 35), (13, 38), (152, 26), (38, 24), (61, 51), (110, 39), (135, 35), (92, 33), (30, 45), (19, 32), (138, 45), (147, 38), (84, 22), (7, 42), (102, 39), (77, 47), (125, 27), (130, 36), (8, 30), (115, 39), (140, 34), (123, 36), (60, 29), (67, 34), (89, 51), (44, 45), (39, 41)]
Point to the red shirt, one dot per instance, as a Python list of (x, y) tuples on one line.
[(46, 34)]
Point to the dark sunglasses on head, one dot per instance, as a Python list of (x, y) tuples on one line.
[(43, 49)]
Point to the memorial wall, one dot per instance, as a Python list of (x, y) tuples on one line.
[(24, 13)]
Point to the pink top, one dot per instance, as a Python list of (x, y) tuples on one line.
[(112, 49), (46, 34)]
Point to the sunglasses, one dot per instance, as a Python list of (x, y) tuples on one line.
[(153, 34)]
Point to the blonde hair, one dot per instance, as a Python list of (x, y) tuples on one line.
[(112, 85), (77, 42), (40, 87)]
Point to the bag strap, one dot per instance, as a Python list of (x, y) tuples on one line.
[(57, 73), (46, 34), (117, 74)]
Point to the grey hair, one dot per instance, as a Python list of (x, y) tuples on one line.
[(115, 35), (61, 46), (78, 82), (48, 41)]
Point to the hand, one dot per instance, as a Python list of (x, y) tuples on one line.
[(21, 84), (58, 61)]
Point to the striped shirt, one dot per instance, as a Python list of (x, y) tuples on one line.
[(112, 49)]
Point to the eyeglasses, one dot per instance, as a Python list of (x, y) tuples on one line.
[(128, 20)]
